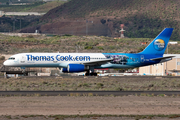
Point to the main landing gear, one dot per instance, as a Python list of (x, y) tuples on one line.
[(90, 73)]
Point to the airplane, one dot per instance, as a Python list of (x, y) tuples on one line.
[(80, 62)]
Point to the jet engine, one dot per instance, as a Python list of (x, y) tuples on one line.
[(74, 68)]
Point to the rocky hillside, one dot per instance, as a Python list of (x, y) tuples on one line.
[(15, 23), (142, 18)]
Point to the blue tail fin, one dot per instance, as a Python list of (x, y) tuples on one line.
[(159, 44)]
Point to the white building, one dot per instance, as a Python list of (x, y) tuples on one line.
[(24, 13), (2, 13)]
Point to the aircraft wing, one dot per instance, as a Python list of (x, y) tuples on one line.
[(163, 58), (98, 62)]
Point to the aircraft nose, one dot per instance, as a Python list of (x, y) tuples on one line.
[(5, 63)]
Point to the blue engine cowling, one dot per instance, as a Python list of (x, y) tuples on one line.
[(75, 68), (64, 70)]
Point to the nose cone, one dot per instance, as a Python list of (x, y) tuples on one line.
[(5, 63)]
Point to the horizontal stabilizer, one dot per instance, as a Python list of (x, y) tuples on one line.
[(163, 58)]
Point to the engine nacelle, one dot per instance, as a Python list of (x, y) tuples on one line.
[(64, 70), (76, 68)]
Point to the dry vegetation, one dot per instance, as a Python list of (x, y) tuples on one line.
[(68, 43), (89, 83)]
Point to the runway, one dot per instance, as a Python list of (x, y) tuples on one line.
[(99, 77), (66, 76), (88, 93)]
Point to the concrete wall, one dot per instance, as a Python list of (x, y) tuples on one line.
[(157, 69), (146, 70)]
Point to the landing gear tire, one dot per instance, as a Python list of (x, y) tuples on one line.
[(24, 73), (91, 74), (87, 74)]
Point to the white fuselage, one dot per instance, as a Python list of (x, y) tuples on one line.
[(52, 59), (61, 60)]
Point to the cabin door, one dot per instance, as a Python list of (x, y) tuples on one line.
[(142, 58), (23, 59)]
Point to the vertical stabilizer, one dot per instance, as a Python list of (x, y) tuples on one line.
[(159, 44)]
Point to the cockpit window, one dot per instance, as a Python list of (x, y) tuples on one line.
[(11, 58)]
